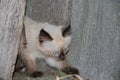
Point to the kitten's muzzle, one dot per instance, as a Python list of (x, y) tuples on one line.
[(62, 56)]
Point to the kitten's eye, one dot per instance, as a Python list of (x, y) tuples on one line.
[(66, 50)]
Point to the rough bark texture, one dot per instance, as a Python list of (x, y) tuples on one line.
[(96, 45), (96, 29), (52, 11), (11, 16)]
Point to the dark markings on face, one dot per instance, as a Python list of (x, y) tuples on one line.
[(62, 56), (66, 31), (44, 36)]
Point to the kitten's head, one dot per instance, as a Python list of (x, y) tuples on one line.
[(55, 40)]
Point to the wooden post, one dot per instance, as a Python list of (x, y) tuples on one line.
[(96, 44), (52, 11), (11, 17)]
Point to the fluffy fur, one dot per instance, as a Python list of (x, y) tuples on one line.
[(45, 41)]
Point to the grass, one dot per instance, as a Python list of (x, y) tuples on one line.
[(73, 75), (63, 77), (49, 74)]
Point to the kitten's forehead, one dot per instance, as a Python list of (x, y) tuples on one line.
[(53, 30)]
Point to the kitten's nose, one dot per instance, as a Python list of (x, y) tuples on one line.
[(62, 56)]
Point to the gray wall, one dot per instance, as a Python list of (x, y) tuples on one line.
[(96, 29), (96, 44), (52, 11), (11, 17)]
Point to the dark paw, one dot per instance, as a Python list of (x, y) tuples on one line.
[(36, 74), (70, 70)]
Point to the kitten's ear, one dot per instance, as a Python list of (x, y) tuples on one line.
[(66, 31), (44, 36)]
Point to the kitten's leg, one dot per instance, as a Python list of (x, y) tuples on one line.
[(62, 65), (31, 65)]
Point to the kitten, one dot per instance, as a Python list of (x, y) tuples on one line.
[(48, 42)]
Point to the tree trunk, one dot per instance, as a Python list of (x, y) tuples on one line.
[(96, 44), (52, 11), (11, 17)]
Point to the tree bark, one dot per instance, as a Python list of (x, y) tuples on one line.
[(96, 44), (11, 17), (53, 11)]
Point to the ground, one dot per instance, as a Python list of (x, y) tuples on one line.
[(49, 73)]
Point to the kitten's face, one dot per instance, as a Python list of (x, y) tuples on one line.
[(55, 41)]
